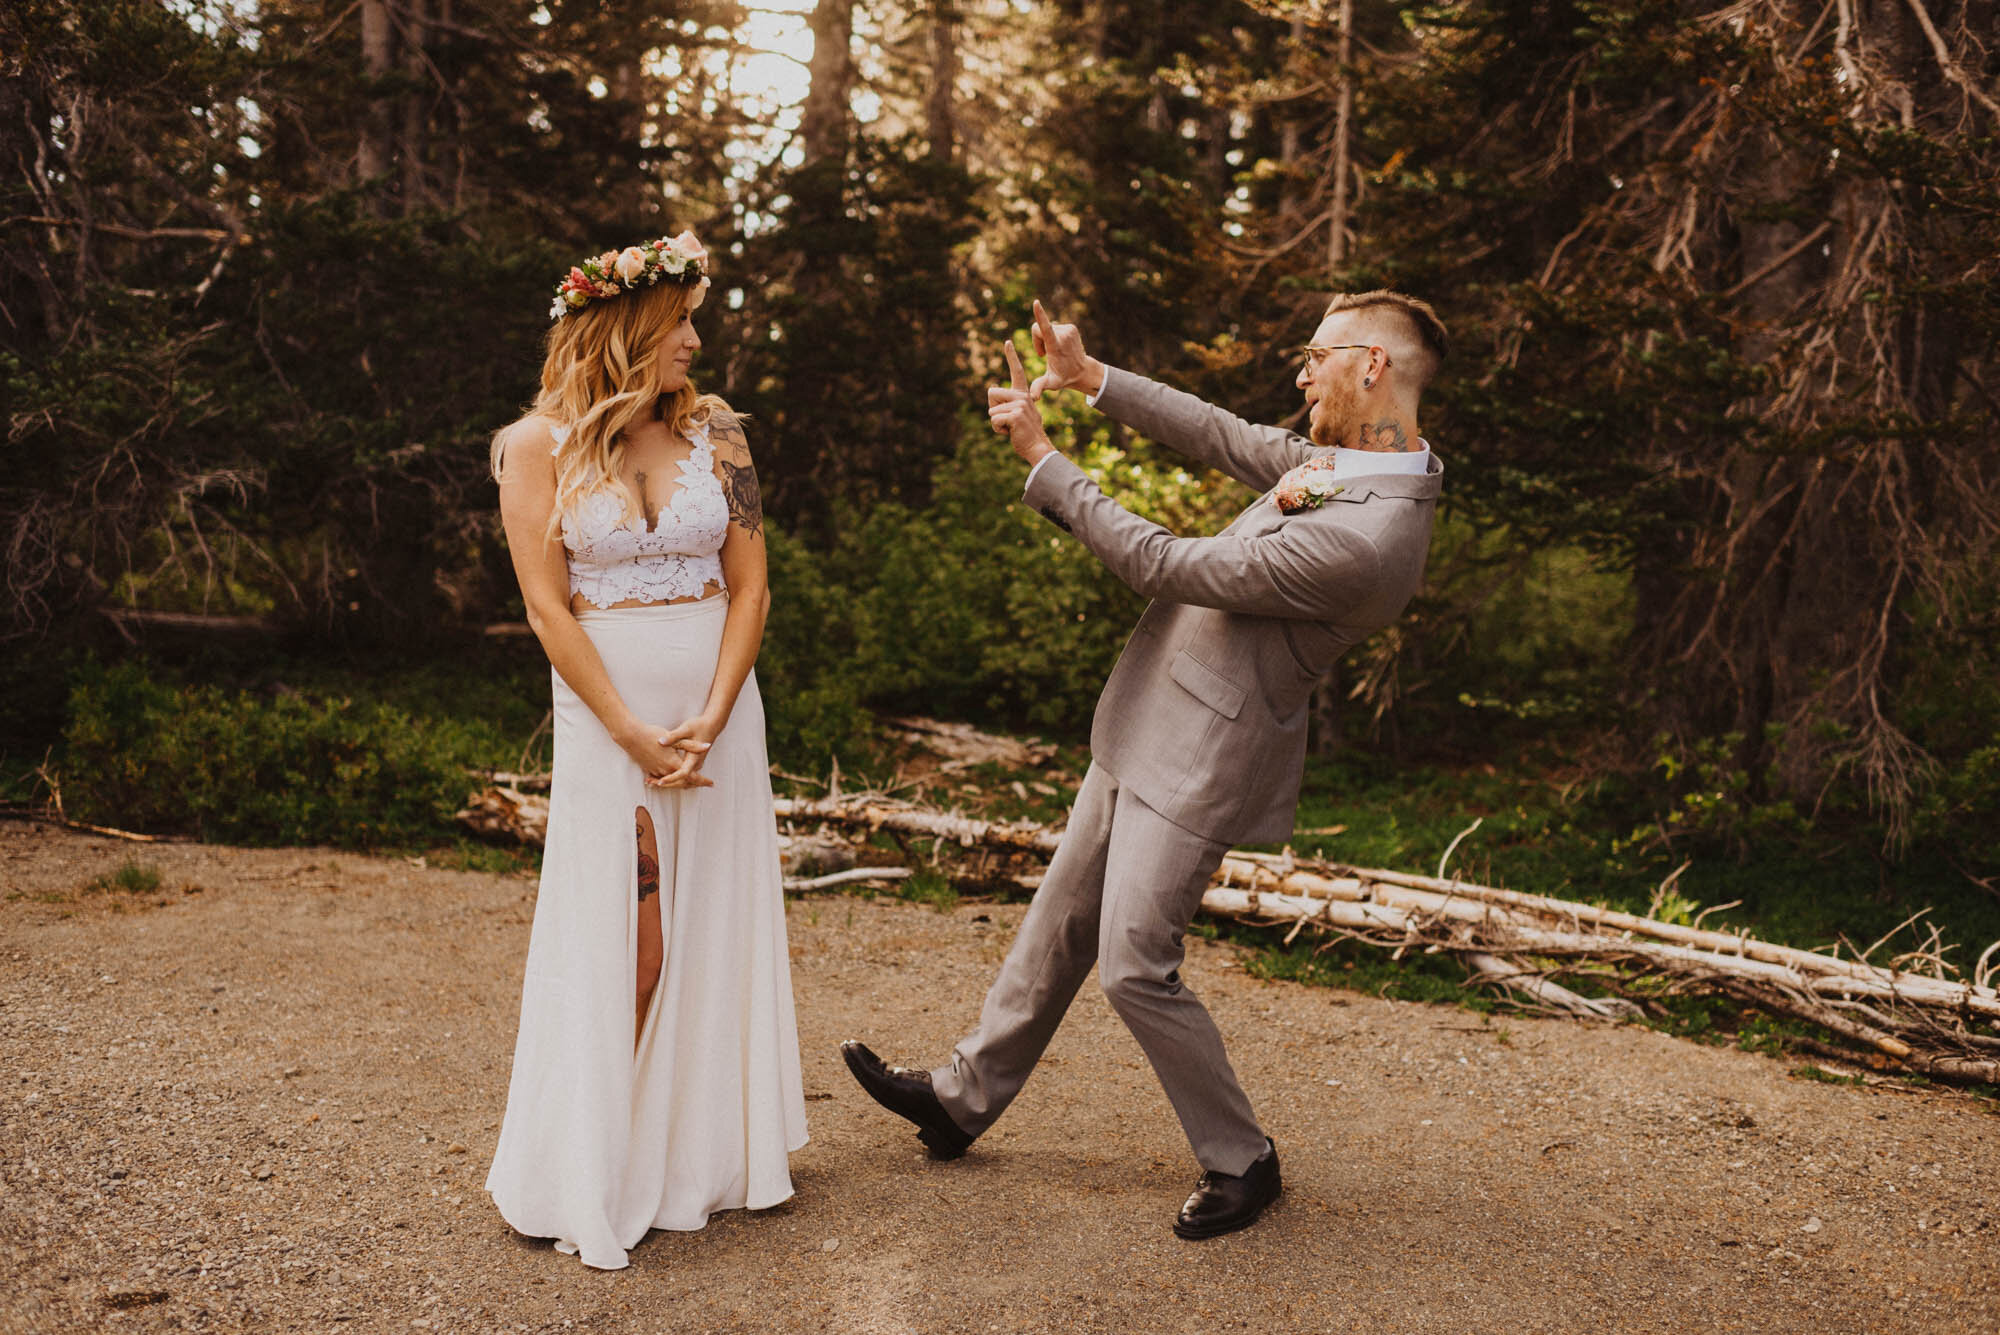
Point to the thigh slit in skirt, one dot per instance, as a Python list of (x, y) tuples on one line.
[(604, 1139)]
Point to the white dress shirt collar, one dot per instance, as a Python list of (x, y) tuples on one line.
[(1368, 463)]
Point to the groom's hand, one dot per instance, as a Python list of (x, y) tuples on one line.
[(1069, 366), (1015, 414)]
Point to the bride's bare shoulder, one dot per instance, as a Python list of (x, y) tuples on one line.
[(524, 450)]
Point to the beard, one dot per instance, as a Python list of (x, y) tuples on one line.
[(1338, 415)]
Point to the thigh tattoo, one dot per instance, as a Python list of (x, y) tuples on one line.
[(649, 867)]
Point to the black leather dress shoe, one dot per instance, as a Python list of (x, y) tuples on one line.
[(1223, 1203), (908, 1094)]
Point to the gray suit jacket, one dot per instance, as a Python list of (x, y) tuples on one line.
[(1204, 717)]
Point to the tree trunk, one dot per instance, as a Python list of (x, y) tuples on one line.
[(826, 121), (457, 155), (378, 58), (1159, 118), (1219, 119), (1343, 116), (1327, 738), (414, 145), (24, 114), (1288, 130), (940, 114)]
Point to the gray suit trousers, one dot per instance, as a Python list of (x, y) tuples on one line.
[(1120, 892)]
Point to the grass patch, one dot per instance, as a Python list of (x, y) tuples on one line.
[(928, 885), (1820, 1075), (131, 878), (469, 854)]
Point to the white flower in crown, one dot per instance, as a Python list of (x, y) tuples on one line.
[(1307, 487), (630, 264)]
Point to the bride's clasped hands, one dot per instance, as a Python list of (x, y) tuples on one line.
[(670, 757)]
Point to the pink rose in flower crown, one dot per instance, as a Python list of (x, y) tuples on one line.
[(631, 263), (1307, 487), (687, 248)]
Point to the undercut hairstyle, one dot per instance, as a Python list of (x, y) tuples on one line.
[(1417, 315)]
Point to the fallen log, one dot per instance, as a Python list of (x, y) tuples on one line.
[(125, 618), (1473, 903), (503, 813), (883, 813), (1914, 1037), (798, 885), (50, 816), (1611, 919), (1506, 938), (521, 781), (1518, 977), (967, 744)]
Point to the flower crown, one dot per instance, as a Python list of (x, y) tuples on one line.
[(679, 260)]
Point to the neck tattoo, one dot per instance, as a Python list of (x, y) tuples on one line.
[(1386, 434)]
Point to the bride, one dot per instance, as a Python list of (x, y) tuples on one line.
[(656, 1073)]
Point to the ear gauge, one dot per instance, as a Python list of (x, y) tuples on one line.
[(1368, 382)]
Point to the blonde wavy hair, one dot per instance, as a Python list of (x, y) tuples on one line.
[(600, 374)]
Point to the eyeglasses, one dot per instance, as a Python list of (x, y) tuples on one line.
[(1315, 353)]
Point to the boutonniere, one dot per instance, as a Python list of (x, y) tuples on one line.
[(1307, 487)]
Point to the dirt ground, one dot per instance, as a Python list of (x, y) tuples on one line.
[(263, 1097)]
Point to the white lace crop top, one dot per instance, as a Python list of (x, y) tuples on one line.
[(615, 560)]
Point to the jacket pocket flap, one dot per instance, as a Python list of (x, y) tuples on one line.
[(1207, 685)]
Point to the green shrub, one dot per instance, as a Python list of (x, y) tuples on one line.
[(810, 670), (974, 606), (241, 767), (1963, 810), (984, 608)]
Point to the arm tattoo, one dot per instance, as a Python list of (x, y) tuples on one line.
[(739, 484)]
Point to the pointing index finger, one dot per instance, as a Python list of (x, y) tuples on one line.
[(1014, 367)]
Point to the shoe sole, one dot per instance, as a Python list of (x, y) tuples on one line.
[(1204, 1232)]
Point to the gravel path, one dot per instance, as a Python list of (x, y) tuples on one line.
[(263, 1096)]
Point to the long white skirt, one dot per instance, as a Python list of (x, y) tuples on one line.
[(603, 1140)]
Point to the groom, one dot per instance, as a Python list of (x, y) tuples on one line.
[(1199, 738)]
